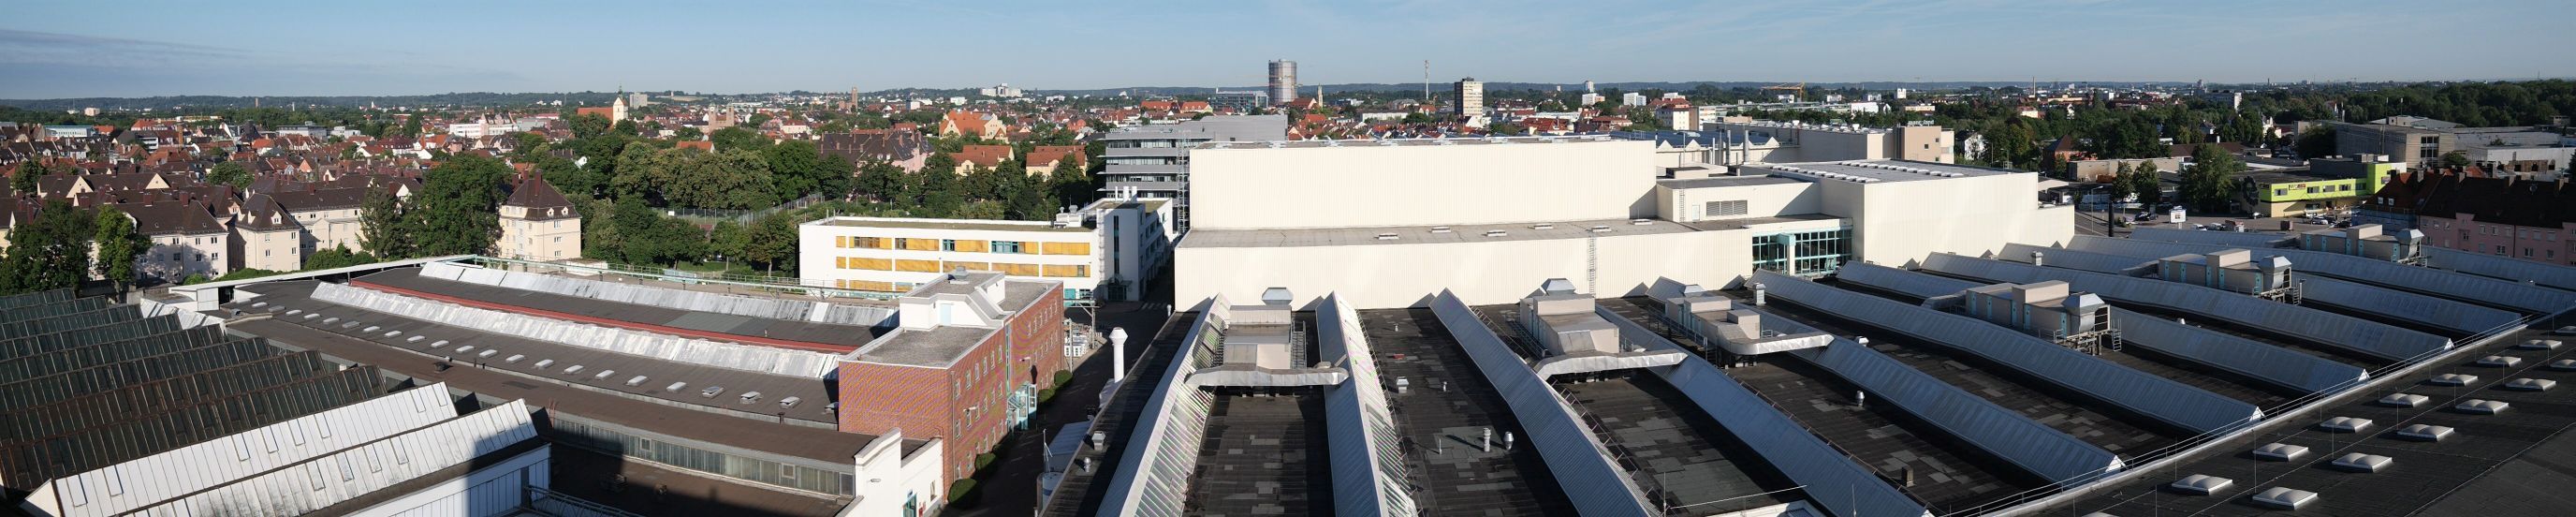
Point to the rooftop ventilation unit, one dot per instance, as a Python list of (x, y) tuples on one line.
[(1386, 236), (487, 353), (1600, 228), (1641, 222), (675, 386), (1277, 296), (1439, 229), (2452, 379), (542, 363), (637, 380), (1556, 286), (513, 358), (464, 349), (1543, 226), (2481, 406), (1496, 233), (415, 338), (2280, 452), (789, 402), (750, 397), (1445, 141), (574, 369), (1276, 145), (711, 391)]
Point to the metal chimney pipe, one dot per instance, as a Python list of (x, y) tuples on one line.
[(1117, 353)]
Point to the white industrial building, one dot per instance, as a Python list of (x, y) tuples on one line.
[(1739, 140), (1385, 223), (1112, 244)]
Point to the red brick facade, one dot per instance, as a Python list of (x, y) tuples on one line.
[(930, 402)]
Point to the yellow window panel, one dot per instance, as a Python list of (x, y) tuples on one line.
[(1062, 271), (970, 266), (873, 264), (1067, 248), (917, 266), (974, 246), (1016, 269)]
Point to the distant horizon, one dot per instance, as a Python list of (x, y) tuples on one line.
[(52, 49), (1305, 87)]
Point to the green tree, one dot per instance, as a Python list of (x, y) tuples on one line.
[(2208, 180), (119, 246), (337, 257), (798, 167), (772, 242), (2144, 182), (383, 228), (728, 240), (687, 133), (2011, 145), (50, 252), (229, 173), (2316, 142), (880, 181), (588, 126), (2121, 184), (24, 181), (457, 211), (2455, 159), (936, 194), (733, 138)]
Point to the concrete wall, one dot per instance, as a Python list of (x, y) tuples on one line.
[(1250, 186), (1900, 222), (1375, 276), (887, 479), (1773, 200)]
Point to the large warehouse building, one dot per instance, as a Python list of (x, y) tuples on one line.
[(1384, 223)]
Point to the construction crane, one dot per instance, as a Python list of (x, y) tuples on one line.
[(1797, 92)]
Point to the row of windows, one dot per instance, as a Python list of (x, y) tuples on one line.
[(967, 245), (767, 472), (938, 266), (2315, 190)]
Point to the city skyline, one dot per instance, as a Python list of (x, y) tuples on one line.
[(62, 50)]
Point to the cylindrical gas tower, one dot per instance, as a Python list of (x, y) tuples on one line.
[(1283, 81)]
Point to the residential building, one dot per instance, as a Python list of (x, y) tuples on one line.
[(1046, 159), (981, 125), (327, 217), (538, 223), (901, 148), (1470, 96), (1597, 210), (2506, 216), (186, 240), (266, 236), (986, 157), (1632, 99), (2535, 153), (1104, 251)]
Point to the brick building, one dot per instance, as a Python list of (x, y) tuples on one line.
[(964, 362)]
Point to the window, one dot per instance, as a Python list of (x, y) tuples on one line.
[(1727, 208), (2280, 192), (1006, 246), (902, 243), (871, 242), (948, 245), (2499, 249)]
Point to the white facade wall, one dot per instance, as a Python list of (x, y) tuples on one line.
[(1767, 200), (1900, 222), (1375, 276), (326, 229), (175, 256), (819, 251), (1248, 186), (486, 492), (887, 480), (276, 250), (553, 239)]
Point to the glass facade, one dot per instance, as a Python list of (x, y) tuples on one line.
[(1806, 253), (800, 477)]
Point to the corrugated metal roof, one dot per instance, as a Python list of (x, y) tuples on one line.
[(1370, 473), (2222, 351), (2166, 400), (1578, 460), (2320, 327), (2553, 275), (2514, 295), (1782, 442), (2035, 448)]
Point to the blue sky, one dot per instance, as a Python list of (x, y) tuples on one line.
[(52, 49)]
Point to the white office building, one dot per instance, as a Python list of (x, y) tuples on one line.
[(1102, 251)]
